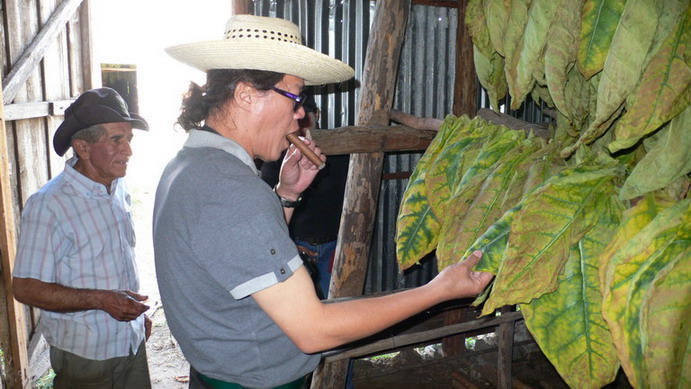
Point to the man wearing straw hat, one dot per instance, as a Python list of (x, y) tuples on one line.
[(235, 292), (75, 257)]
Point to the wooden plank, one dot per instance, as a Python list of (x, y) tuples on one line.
[(85, 73), (364, 171), (437, 3), (371, 139), (32, 54), (17, 362), (39, 109), (505, 343)]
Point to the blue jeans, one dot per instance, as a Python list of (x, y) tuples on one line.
[(325, 253)]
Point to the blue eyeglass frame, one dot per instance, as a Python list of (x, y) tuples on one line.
[(298, 99)]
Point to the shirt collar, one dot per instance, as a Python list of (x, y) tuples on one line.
[(198, 139), (84, 184)]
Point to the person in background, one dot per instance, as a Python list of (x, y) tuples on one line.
[(314, 225), (235, 293), (75, 257)]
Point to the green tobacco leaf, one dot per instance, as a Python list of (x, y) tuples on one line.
[(568, 323), (417, 227), (542, 233), (561, 52), (467, 223), (497, 16), (667, 160), (518, 18), (490, 72), (493, 243), (530, 48), (666, 325), (600, 20), (477, 26), (636, 268), (446, 171), (625, 61), (664, 90)]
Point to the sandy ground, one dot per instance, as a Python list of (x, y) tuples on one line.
[(151, 151)]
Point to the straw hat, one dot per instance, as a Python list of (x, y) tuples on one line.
[(263, 43)]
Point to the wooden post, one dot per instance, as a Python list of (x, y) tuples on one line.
[(465, 92), (14, 323), (505, 357), (364, 172), (240, 7)]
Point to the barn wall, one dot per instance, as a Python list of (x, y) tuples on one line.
[(34, 113)]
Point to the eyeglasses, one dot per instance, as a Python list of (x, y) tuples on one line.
[(299, 100)]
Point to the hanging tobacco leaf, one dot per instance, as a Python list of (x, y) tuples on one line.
[(634, 271), (490, 72), (542, 233), (417, 227), (497, 17), (526, 57), (518, 17), (668, 159), (568, 323), (600, 20), (625, 62), (477, 27), (664, 90), (561, 52)]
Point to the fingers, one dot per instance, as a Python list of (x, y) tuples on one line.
[(124, 305), (137, 296), (473, 259)]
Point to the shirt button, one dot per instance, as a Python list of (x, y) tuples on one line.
[(273, 251), (283, 271)]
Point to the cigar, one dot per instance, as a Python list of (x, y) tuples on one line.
[(306, 151)]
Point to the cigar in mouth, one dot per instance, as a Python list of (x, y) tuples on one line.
[(306, 151)]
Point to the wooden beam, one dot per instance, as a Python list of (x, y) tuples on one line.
[(465, 88), (372, 139), (36, 110), (17, 359), (437, 3), (240, 7), (505, 355), (364, 171), (33, 53)]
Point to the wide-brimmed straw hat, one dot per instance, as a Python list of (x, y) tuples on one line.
[(263, 43)]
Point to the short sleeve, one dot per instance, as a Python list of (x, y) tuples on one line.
[(242, 239)]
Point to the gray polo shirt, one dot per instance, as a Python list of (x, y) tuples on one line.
[(220, 236)]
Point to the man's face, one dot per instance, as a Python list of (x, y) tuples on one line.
[(107, 159), (278, 118)]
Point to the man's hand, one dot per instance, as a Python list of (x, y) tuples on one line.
[(460, 280), (122, 305), (297, 171)]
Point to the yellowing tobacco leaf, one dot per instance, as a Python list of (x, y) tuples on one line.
[(475, 20), (561, 52), (638, 266), (568, 323), (417, 227), (497, 17), (518, 17), (525, 58), (600, 20), (664, 90), (668, 158), (490, 72), (542, 233)]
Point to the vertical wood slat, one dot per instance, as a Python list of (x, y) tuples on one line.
[(364, 172), (16, 359)]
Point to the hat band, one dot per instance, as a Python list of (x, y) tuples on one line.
[(258, 33)]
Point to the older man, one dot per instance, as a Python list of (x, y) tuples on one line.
[(75, 259)]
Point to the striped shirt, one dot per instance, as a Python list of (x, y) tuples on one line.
[(75, 234)]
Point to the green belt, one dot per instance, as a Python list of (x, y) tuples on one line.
[(218, 384)]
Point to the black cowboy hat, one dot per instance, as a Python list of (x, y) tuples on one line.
[(96, 106)]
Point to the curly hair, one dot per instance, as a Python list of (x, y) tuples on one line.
[(200, 101)]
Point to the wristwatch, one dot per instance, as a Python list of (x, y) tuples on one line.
[(286, 203)]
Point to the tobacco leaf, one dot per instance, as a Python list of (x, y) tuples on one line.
[(542, 233), (624, 63), (417, 227), (568, 323), (490, 72), (525, 58), (668, 158), (477, 27), (599, 22), (513, 35), (635, 270), (497, 17), (561, 52), (664, 90)]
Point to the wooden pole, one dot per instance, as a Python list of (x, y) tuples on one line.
[(465, 91), (364, 172), (16, 355), (240, 7)]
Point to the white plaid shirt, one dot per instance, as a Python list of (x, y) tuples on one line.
[(75, 234)]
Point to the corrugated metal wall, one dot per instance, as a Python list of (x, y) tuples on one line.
[(424, 88)]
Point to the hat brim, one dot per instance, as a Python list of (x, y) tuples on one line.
[(281, 57), (62, 139)]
